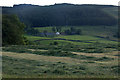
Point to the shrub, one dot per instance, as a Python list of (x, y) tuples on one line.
[(104, 58), (55, 43)]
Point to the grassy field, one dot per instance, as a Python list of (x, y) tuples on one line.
[(30, 64), (33, 38), (61, 42), (89, 55), (78, 37), (69, 39), (90, 34), (67, 59), (103, 31)]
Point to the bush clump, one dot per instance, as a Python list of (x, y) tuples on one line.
[(54, 53)]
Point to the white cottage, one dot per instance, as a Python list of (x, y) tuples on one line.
[(57, 33)]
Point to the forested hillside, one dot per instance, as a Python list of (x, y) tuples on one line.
[(62, 15)]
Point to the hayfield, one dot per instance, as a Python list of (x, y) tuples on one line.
[(40, 66)]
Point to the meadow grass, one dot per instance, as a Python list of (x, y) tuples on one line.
[(83, 39), (105, 41), (78, 37), (33, 67), (61, 42), (33, 38), (66, 59), (87, 30)]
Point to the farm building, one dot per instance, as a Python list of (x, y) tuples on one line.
[(57, 33)]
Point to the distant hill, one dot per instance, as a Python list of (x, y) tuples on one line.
[(64, 14)]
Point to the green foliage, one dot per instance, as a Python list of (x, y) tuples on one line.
[(53, 29), (73, 31), (45, 33), (104, 58), (55, 43), (58, 29), (17, 49), (117, 35), (32, 31), (54, 53), (12, 30)]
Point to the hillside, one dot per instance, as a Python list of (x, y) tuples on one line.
[(63, 14), (112, 11)]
